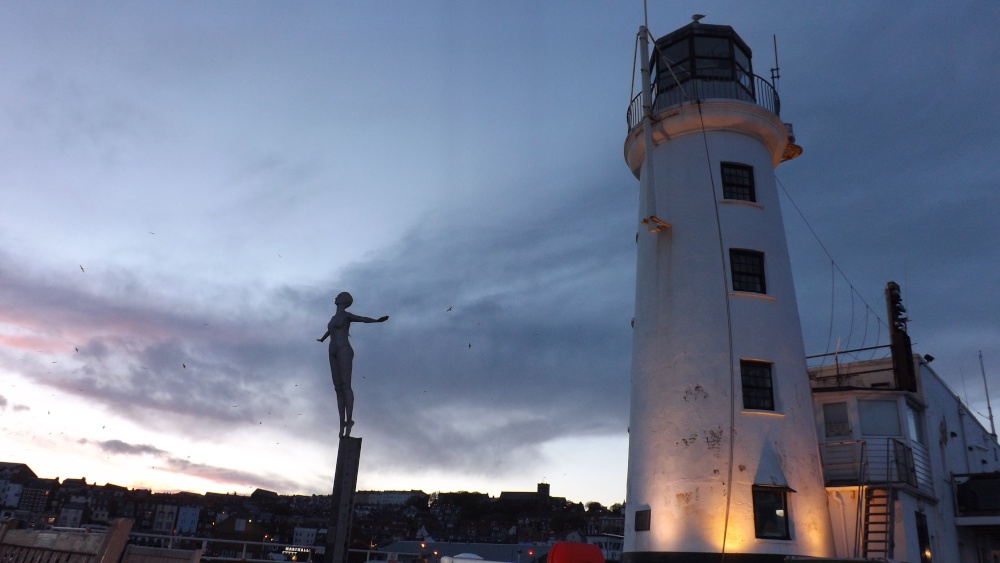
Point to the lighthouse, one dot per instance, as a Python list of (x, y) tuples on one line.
[(723, 456)]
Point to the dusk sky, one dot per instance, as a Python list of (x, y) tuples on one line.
[(186, 186)]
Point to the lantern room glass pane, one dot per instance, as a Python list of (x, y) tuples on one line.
[(711, 47), (677, 52), (742, 59)]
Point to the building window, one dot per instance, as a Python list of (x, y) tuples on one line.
[(915, 423), (748, 270), (770, 512), (835, 420), (757, 390), (879, 418), (923, 538), (737, 182)]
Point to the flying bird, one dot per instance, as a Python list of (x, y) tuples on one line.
[(449, 309), (184, 366), (81, 269), (470, 345), (76, 348)]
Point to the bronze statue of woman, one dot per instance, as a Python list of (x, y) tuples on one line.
[(342, 357)]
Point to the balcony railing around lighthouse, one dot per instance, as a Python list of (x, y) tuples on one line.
[(746, 87)]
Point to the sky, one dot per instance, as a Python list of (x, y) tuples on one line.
[(186, 186)]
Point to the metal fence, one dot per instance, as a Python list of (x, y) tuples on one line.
[(214, 549), (876, 461)]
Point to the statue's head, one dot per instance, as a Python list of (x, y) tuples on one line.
[(344, 299)]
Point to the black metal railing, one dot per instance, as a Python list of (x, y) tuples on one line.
[(977, 494), (745, 86), (876, 462)]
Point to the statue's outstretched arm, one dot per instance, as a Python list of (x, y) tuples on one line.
[(325, 334), (360, 319)]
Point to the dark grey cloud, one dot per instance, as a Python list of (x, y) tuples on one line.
[(533, 253), (534, 348), (173, 464), (124, 448), (895, 178)]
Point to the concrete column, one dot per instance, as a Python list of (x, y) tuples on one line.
[(342, 504)]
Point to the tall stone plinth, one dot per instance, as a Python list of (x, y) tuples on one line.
[(345, 482)]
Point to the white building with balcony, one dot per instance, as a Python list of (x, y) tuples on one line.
[(911, 475)]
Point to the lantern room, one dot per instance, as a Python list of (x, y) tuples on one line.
[(703, 61)]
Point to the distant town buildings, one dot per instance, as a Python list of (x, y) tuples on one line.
[(266, 517)]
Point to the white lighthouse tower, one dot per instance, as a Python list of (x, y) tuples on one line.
[(723, 457)]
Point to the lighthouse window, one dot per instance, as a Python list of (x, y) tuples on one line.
[(642, 520), (770, 512), (748, 270), (758, 392), (737, 182)]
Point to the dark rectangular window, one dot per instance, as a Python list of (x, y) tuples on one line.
[(748, 270), (923, 538), (758, 392), (642, 518), (737, 182), (770, 512), (835, 420)]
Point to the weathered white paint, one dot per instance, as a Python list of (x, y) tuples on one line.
[(686, 385)]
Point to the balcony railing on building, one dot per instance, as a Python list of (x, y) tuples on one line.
[(977, 495), (875, 461)]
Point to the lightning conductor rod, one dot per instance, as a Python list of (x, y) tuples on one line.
[(650, 219), (989, 409)]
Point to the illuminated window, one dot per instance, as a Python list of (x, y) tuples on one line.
[(748, 270), (770, 512), (757, 390), (737, 182)]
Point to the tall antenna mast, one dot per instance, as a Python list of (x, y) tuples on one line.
[(775, 72), (989, 409)]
